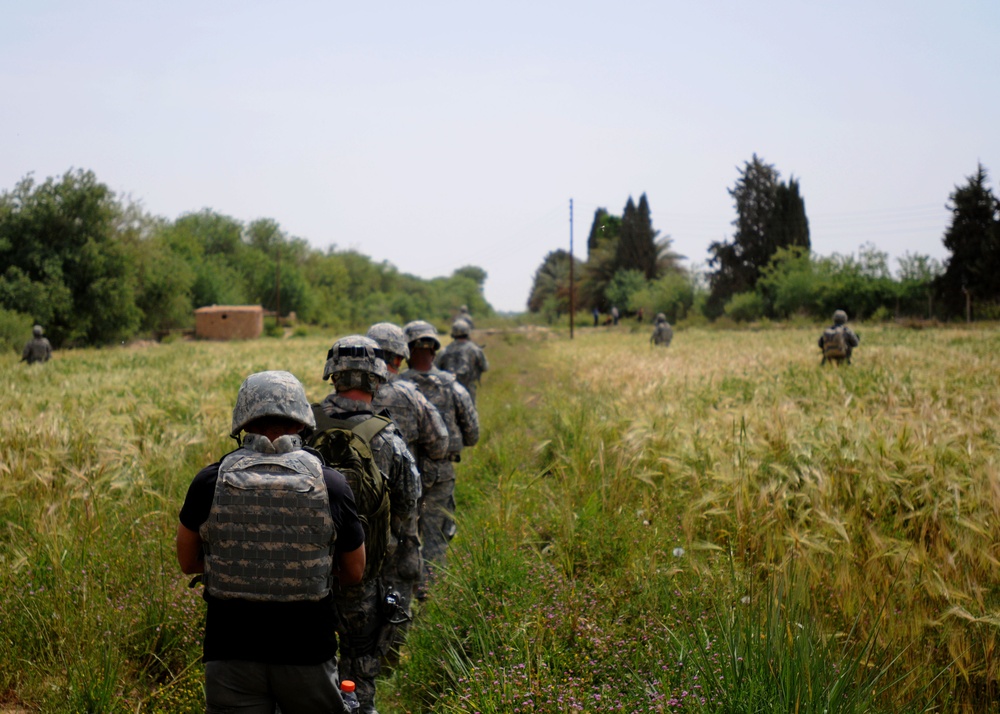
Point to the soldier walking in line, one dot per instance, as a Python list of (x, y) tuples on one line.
[(437, 507), (387, 500), (463, 358), (269, 631)]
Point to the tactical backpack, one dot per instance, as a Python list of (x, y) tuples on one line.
[(834, 343), (346, 447)]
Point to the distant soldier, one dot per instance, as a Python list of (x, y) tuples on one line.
[(463, 314), (437, 506), (838, 341), (38, 348), (369, 612), (614, 315), (663, 333), (463, 358), (423, 429)]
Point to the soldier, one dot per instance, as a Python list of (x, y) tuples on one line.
[(437, 523), (838, 341), (663, 333), (424, 431), (269, 630), (37, 348), (463, 314), (368, 612), (463, 358)]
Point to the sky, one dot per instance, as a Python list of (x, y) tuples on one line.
[(436, 135)]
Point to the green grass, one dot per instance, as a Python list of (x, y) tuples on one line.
[(719, 526)]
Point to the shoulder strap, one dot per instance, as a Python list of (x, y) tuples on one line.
[(370, 427), (366, 429)]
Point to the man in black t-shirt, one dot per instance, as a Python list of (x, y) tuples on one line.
[(269, 629)]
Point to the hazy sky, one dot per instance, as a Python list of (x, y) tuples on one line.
[(441, 134)]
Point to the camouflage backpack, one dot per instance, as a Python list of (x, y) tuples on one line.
[(346, 447), (834, 343)]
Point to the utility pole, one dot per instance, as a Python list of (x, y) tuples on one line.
[(572, 301), (277, 289)]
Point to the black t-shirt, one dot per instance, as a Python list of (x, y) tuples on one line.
[(273, 632)]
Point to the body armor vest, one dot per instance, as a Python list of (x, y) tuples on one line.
[(270, 535)]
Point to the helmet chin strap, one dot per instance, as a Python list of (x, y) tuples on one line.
[(282, 445)]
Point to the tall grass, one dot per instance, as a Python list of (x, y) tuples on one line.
[(718, 526)]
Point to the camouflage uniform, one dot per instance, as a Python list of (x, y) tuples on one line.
[(38, 348), (437, 526), (463, 314), (851, 339), (367, 627), (663, 333), (463, 358)]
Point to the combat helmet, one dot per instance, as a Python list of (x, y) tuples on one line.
[(390, 338), (271, 394), (37, 331), (356, 362), (460, 328), (422, 334), (660, 317), (839, 317)]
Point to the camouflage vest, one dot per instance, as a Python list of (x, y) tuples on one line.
[(834, 342), (437, 388), (269, 536)]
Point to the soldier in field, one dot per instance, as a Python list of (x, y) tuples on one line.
[(838, 341), (663, 333), (38, 348)]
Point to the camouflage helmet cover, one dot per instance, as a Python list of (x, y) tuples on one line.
[(421, 330), (839, 317), (37, 331), (660, 317), (460, 328), (390, 338), (358, 355), (271, 394)]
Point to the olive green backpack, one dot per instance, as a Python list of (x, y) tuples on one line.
[(346, 447)]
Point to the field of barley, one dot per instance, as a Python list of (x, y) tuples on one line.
[(720, 526)]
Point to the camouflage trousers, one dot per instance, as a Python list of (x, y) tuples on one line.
[(365, 637), (437, 522)]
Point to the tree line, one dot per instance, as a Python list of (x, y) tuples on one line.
[(767, 269), (94, 268)]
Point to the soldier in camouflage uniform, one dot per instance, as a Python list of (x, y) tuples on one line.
[(463, 358), (269, 631), (463, 314), (368, 612), (437, 523), (419, 423), (38, 348), (663, 333), (838, 341)]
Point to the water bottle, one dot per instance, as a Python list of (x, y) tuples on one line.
[(350, 698)]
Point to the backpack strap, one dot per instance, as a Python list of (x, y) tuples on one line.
[(371, 427), (367, 429)]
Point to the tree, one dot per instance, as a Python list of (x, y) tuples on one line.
[(603, 231), (769, 215), (974, 241), (637, 248), (550, 290), (65, 261)]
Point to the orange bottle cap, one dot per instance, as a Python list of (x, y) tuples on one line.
[(347, 686)]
